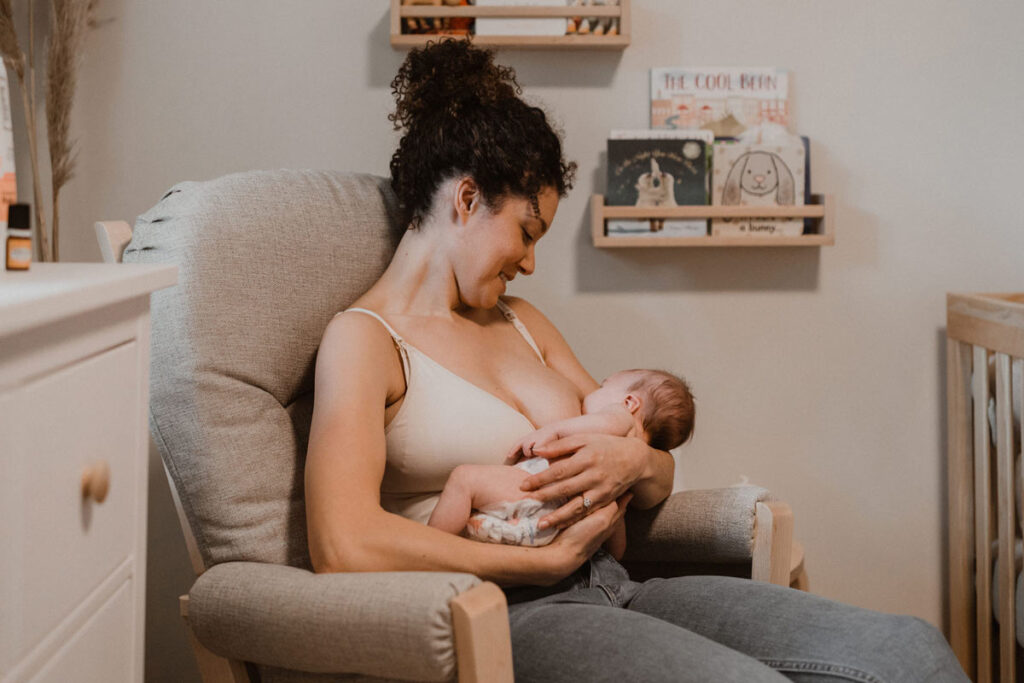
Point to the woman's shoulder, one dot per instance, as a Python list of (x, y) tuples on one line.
[(354, 328), (356, 344), (529, 314)]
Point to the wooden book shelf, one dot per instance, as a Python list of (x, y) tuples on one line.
[(821, 209), (568, 42)]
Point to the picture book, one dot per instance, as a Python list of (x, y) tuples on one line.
[(526, 26), (724, 100), (747, 174), (658, 168)]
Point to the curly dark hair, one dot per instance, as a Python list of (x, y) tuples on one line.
[(461, 114)]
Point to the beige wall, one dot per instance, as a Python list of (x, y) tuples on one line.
[(819, 373)]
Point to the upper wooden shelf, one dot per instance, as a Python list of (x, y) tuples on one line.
[(568, 42), (821, 208)]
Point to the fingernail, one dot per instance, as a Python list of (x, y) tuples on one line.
[(524, 486), (543, 525)]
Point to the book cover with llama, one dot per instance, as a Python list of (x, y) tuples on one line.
[(650, 168)]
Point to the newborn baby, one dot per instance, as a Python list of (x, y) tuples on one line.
[(650, 404)]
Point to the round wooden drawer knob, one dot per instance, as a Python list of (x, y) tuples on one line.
[(96, 481)]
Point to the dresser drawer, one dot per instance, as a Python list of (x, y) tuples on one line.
[(58, 546), (101, 652)]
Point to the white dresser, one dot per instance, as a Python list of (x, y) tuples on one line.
[(74, 391)]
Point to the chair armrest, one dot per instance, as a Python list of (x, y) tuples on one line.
[(386, 624), (712, 526)]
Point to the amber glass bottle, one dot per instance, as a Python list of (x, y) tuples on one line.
[(19, 237)]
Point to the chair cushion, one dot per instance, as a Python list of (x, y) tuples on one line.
[(705, 526), (265, 259), (383, 624)]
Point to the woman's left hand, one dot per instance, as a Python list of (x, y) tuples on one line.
[(586, 467)]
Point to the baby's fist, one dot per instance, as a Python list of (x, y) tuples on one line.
[(524, 448)]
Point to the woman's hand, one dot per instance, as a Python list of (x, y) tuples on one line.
[(579, 542), (587, 467)]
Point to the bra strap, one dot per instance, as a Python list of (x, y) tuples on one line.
[(511, 316), (395, 337)]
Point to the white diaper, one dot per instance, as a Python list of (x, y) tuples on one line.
[(515, 522)]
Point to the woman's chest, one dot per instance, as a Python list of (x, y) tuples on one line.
[(499, 361)]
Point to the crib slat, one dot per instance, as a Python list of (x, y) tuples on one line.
[(961, 512), (982, 516), (1007, 541)]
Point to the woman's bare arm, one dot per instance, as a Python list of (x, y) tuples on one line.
[(357, 372)]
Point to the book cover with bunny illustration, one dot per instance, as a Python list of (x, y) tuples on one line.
[(758, 175), (658, 168)]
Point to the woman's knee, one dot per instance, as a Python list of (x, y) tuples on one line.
[(897, 648), (926, 654), (801, 633)]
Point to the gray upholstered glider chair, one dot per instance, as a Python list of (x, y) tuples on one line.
[(265, 260)]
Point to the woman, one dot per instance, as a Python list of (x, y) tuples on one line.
[(431, 368)]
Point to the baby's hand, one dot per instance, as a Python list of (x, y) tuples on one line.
[(524, 447)]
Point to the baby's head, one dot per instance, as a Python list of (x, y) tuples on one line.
[(662, 401)]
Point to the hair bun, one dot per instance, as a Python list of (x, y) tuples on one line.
[(448, 77)]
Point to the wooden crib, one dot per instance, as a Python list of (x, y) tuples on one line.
[(985, 340)]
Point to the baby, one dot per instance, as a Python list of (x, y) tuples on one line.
[(650, 404)]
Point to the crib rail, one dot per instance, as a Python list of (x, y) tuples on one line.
[(985, 335)]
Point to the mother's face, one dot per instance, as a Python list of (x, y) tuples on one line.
[(499, 244)]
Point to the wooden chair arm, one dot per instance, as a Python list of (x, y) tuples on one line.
[(483, 640), (773, 543)]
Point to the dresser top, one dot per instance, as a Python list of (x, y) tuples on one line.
[(51, 291)]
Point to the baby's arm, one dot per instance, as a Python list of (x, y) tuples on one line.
[(613, 422), (472, 487)]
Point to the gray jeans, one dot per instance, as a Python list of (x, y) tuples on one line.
[(598, 625)]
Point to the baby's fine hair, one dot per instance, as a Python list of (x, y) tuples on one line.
[(669, 410), (460, 113)]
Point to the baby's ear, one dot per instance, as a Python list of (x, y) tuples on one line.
[(633, 403)]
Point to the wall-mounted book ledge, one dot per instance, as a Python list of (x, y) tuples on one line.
[(438, 21), (821, 209)]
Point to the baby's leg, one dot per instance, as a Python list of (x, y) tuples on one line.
[(474, 486)]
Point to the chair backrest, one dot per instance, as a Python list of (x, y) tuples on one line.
[(265, 259), (113, 237)]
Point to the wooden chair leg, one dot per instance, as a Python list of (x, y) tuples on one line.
[(483, 640), (212, 668)]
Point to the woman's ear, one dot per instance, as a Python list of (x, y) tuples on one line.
[(466, 198)]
